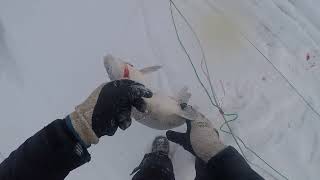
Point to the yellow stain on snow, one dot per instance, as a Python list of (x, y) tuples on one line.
[(216, 31)]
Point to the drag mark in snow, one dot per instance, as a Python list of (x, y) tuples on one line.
[(1, 157), (2, 49), (224, 91), (315, 148), (7, 64), (296, 21), (155, 48)]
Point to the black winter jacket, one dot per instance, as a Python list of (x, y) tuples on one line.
[(53, 152)]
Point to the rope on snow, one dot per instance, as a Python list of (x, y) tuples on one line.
[(214, 100)]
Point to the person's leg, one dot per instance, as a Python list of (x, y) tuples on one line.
[(157, 164)]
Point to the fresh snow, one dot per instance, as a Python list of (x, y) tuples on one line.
[(51, 59)]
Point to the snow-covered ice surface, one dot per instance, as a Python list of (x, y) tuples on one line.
[(51, 59)]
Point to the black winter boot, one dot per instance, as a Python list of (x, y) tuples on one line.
[(161, 144), (157, 164)]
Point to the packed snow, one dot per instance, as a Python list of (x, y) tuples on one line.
[(51, 58)]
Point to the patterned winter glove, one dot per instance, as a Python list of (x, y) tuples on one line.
[(106, 109), (201, 139)]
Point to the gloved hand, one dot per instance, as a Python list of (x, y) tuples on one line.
[(201, 139), (106, 109)]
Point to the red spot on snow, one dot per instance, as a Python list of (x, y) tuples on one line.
[(264, 78), (126, 72), (308, 57)]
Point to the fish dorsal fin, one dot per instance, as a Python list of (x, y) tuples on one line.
[(150, 69), (183, 96)]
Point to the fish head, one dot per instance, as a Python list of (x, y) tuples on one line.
[(114, 67), (120, 69)]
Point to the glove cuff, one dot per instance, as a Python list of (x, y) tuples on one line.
[(206, 156), (205, 141), (83, 129)]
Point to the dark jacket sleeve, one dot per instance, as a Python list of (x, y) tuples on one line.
[(230, 165), (49, 154)]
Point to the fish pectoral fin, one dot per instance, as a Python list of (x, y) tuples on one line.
[(188, 113), (150, 69), (183, 96)]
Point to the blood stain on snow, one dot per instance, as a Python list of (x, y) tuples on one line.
[(308, 57), (264, 78)]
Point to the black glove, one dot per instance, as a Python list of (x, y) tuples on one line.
[(113, 108), (108, 108), (201, 138), (183, 139)]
